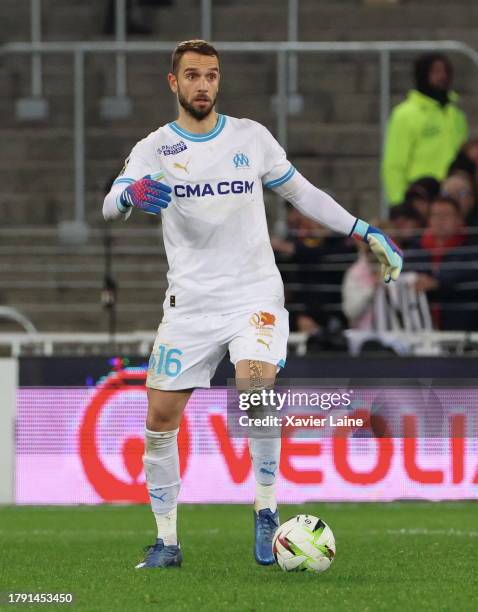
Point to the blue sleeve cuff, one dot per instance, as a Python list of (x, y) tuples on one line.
[(281, 180), (121, 207), (123, 180), (360, 230)]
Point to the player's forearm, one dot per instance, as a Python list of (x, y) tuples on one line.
[(112, 208), (316, 204)]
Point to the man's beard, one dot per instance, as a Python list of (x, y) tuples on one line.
[(198, 114)]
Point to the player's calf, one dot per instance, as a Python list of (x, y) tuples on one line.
[(252, 377), (161, 466)]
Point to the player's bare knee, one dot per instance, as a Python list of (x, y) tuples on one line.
[(158, 421), (163, 416), (165, 409)]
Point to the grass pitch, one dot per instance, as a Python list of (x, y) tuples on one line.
[(400, 556)]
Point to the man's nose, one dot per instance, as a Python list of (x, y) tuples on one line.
[(203, 84)]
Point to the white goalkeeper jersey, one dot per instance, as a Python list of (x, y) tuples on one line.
[(215, 231)]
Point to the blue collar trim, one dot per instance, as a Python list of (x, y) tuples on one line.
[(221, 122)]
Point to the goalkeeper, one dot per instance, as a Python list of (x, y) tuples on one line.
[(205, 174)]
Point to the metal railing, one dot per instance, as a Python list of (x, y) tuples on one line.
[(12, 314), (282, 50), (141, 342), (423, 344), (120, 36), (466, 257), (35, 32)]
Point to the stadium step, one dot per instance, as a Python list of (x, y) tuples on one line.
[(335, 140), (64, 20), (94, 318)]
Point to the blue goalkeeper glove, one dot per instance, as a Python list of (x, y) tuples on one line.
[(146, 194), (383, 247)]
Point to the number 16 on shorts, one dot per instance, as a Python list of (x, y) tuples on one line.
[(166, 361)]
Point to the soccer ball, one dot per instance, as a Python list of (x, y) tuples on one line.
[(304, 543)]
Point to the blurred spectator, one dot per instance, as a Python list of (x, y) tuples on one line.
[(448, 263), (467, 161), (470, 149), (420, 194), (461, 187), (362, 283), (359, 286), (312, 262), (445, 229), (135, 22), (428, 185), (425, 131), (462, 163), (406, 224), (376, 307), (135, 19)]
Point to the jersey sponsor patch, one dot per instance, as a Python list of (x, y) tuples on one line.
[(262, 319), (174, 149), (201, 190), (264, 323)]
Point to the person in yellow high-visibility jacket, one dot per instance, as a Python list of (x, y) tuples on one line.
[(425, 131)]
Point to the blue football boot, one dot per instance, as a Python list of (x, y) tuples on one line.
[(265, 524), (160, 555)]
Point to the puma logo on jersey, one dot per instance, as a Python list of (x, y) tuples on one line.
[(183, 167), (261, 341)]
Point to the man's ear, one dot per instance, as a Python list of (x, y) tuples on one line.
[(173, 82)]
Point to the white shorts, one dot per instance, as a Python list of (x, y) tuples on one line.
[(187, 351)]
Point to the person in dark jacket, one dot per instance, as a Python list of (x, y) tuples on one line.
[(312, 262), (406, 223), (446, 258), (420, 195)]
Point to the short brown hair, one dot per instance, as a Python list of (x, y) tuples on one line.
[(446, 199), (196, 46)]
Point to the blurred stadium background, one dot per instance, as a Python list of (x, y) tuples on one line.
[(80, 302), (56, 169)]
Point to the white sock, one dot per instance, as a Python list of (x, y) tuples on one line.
[(265, 455), (166, 524), (161, 466), (265, 497)]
